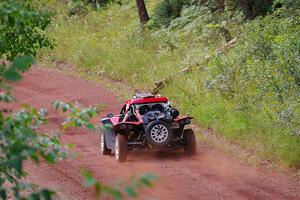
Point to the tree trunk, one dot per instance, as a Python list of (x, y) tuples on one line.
[(221, 5), (248, 8), (143, 14)]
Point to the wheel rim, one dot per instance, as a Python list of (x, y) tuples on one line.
[(117, 150), (159, 133), (102, 142)]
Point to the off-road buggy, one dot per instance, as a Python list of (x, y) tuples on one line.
[(146, 121)]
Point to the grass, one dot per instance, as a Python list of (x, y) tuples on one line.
[(111, 43)]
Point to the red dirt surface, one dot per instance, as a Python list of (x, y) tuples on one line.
[(210, 175)]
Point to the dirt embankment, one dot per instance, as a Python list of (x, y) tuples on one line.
[(209, 175)]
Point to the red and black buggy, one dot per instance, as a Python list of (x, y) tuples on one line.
[(146, 121)]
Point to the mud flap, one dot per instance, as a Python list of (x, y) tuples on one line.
[(110, 138), (110, 135)]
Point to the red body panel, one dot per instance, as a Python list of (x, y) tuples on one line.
[(177, 119), (133, 123), (115, 120), (147, 100)]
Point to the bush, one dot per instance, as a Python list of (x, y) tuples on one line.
[(22, 29), (78, 10), (166, 11), (80, 6), (261, 75), (100, 3)]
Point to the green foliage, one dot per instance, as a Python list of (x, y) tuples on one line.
[(251, 8), (123, 188), (80, 7), (7, 97), (19, 142), (77, 116), (293, 4), (20, 34), (166, 11), (78, 10), (19, 65), (99, 2), (21, 29), (100, 49), (272, 44)]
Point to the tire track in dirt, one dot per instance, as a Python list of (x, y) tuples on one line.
[(209, 175)]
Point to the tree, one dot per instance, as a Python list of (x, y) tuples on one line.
[(142, 10)]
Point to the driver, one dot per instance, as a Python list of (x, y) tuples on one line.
[(132, 112)]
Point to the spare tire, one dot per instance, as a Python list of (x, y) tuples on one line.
[(158, 133)]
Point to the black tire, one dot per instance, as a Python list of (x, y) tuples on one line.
[(158, 133), (103, 148), (121, 148), (191, 145)]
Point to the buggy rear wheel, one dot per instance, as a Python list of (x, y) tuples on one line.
[(103, 148), (191, 145), (121, 148)]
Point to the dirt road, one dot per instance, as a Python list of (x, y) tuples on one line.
[(209, 175)]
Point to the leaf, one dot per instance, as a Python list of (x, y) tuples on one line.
[(11, 20), (70, 146), (78, 122), (12, 75), (66, 107), (2, 180), (47, 194), (130, 191), (7, 98), (1, 120), (34, 196), (113, 192), (147, 178), (17, 165), (90, 126), (49, 157), (98, 187), (23, 63), (3, 193), (35, 158), (88, 179)]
